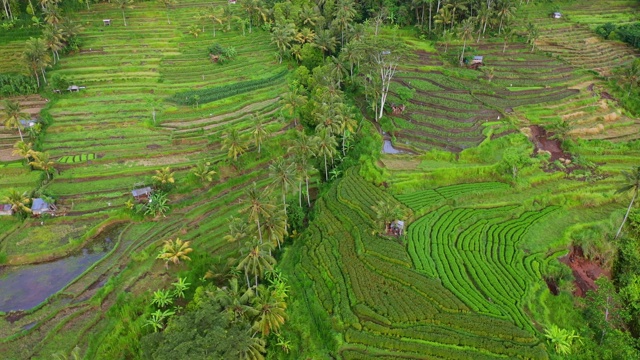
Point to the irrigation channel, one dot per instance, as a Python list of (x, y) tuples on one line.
[(25, 287), (388, 148)]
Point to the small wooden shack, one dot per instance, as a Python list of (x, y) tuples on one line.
[(106, 22), (232, 1), (477, 60), (6, 210), (142, 194), (557, 15), (28, 123), (39, 206)]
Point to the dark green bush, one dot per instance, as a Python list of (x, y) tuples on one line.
[(17, 84)]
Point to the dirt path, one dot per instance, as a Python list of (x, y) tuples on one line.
[(541, 140)]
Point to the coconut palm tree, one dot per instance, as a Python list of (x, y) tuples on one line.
[(213, 13), (42, 161), (54, 40), (325, 41), (175, 251), (632, 183), (239, 230), (508, 33), (74, 355), (52, 15), (236, 302), (305, 35), (257, 261), (257, 207), (36, 58), (386, 212), (274, 227), (259, 131), (14, 114), (325, 144), (291, 101), (303, 147), (254, 8), (532, 35), (282, 36), (19, 201), (234, 143), (122, 5), (505, 11), (252, 348), (7, 9), (465, 33), (344, 13), (282, 174), (23, 150), (271, 312), (346, 125)]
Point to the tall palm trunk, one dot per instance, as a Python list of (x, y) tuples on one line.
[(300, 195), (635, 194), (326, 172), (464, 46), (124, 18), (308, 198), (168, 21), (259, 229), (20, 132)]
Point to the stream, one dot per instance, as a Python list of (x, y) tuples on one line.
[(25, 287)]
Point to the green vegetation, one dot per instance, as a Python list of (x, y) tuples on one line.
[(216, 169)]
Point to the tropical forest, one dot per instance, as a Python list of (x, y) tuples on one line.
[(319, 179)]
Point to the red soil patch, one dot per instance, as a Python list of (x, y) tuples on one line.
[(541, 140), (585, 271)]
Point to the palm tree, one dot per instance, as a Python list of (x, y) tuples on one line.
[(257, 206), (271, 312), (238, 230), (214, 14), (164, 178), (484, 15), (444, 18), (252, 349), (325, 41), (74, 355), (54, 39), (175, 251), (42, 161), (304, 170), (234, 143), (227, 16), (235, 302), (326, 146), (346, 125), (466, 33), (386, 212), (508, 34), (505, 11), (259, 131), (291, 101), (257, 261), (253, 8), (36, 58), (632, 183), (344, 15), (454, 5), (168, 4), (14, 114), (282, 36), (19, 202), (532, 35), (631, 75), (52, 15), (305, 35), (282, 173), (122, 5), (23, 150), (274, 227), (204, 172), (7, 9)]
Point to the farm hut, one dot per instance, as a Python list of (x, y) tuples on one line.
[(106, 22), (28, 123), (397, 227), (141, 194), (73, 88), (477, 60), (232, 1), (557, 15), (5, 209), (39, 207)]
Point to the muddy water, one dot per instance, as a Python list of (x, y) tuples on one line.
[(25, 287)]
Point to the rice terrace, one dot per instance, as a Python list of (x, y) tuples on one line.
[(319, 179)]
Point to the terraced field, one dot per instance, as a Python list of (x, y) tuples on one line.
[(105, 143), (389, 303), (454, 110)]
